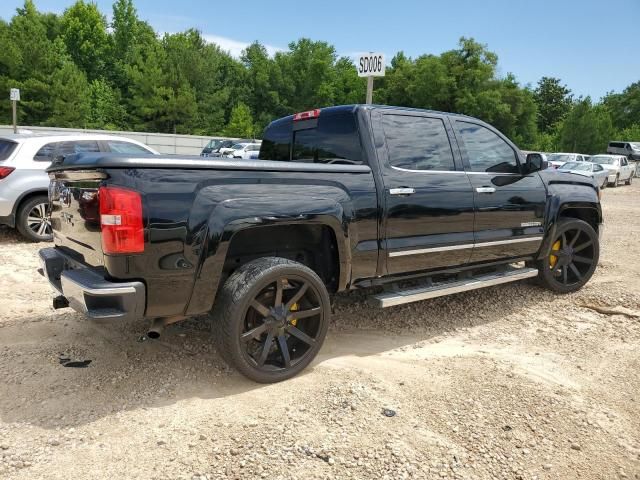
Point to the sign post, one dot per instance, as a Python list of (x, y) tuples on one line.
[(14, 96), (371, 65)]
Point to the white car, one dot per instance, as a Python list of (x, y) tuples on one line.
[(246, 151), (588, 169), (556, 160), (618, 167), (24, 184)]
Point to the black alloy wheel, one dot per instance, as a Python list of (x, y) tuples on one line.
[(273, 314), (573, 258)]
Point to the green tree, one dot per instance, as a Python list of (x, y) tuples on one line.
[(68, 97), (84, 31), (625, 106), (554, 101), (240, 123), (105, 107), (587, 128)]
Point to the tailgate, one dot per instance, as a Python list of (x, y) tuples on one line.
[(75, 214)]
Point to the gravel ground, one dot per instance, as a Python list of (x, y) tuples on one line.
[(506, 382)]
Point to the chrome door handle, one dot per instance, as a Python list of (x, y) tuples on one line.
[(402, 191), (486, 190)]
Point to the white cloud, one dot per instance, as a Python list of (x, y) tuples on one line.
[(235, 47)]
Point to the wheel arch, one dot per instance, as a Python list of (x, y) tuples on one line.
[(234, 222)]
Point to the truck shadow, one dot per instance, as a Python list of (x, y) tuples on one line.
[(9, 236), (127, 374)]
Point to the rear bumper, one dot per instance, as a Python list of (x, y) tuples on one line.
[(88, 292)]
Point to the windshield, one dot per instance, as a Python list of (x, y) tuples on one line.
[(602, 160), (576, 166), (238, 146), (6, 148), (560, 157)]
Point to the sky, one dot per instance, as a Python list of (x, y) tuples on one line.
[(593, 46)]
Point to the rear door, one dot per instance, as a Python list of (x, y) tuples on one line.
[(509, 205), (428, 202)]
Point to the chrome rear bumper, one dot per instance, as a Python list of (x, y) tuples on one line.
[(88, 292)]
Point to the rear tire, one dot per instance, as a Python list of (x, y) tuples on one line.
[(271, 318), (577, 250), (33, 221)]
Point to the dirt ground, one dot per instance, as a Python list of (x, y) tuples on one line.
[(506, 382)]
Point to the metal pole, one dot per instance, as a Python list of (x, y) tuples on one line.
[(369, 90), (15, 117)]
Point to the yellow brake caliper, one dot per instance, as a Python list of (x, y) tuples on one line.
[(294, 308), (552, 258)]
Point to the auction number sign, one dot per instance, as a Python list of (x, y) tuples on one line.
[(371, 65)]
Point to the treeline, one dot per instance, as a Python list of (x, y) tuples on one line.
[(77, 70)]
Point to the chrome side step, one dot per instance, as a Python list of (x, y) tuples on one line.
[(389, 299)]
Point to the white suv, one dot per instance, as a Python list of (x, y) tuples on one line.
[(24, 183)]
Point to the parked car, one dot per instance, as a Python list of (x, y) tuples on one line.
[(212, 149), (247, 151), (631, 150), (556, 160), (618, 167), (225, 151), (588, 169), (420, 203), (24, 181)]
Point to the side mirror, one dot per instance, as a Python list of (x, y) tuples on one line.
[(535, 163)]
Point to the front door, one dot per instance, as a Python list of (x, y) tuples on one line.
[(428, 222), (509, 206)]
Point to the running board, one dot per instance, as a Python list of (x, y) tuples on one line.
[(389, 299)]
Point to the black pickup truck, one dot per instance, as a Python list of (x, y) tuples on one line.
[(415, 203)]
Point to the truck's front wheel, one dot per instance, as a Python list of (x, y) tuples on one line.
[(573, 258), (271, 317)]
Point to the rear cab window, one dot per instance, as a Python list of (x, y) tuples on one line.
[(6, 148), (331, 138), (119, 146)]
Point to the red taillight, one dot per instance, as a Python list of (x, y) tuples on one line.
[(306, 115), (121, 220), (5, 171)]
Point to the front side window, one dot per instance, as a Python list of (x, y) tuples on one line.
[(486, 151), (78, 146), (417, 143), (118, 146)]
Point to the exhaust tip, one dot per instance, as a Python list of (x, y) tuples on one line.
[(153, 334)]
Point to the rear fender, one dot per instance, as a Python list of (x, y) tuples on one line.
[(234, 215)]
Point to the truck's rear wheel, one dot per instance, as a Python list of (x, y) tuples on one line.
[(574, 255), (271, 317), (33, 219)]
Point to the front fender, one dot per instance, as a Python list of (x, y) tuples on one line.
[(562, 197), (234, 215)]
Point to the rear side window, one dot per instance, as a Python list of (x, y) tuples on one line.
[(486, 151), (417, 143), (6, 149), (332, 138), (118, 146), (616, 145)]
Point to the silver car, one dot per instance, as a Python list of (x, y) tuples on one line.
[(587, 169), (24, 183)]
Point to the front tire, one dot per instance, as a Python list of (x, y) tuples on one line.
[(271, 318), (33, 219), (628, 182), (574, 255)]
